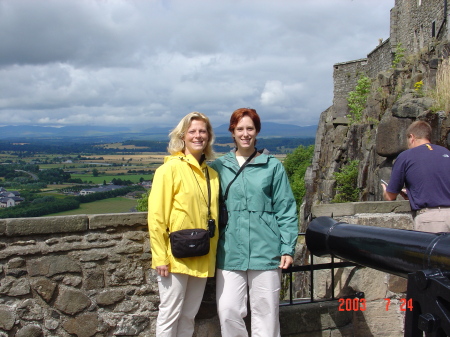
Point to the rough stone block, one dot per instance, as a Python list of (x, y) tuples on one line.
[(47, 225), (377, 321), (71, 301), (85, 325), (30, 330), (52, 265), (12, 286), (44, 287), (99, 221), (124, 274), (94, 279), (17, 262), (131, 325), (340, 121), (313, 317), (370, 281), (382, 207), (389, 142), (30, 310), (110, 297), (7, 317)]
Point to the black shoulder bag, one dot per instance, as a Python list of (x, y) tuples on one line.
[(223, 211), (194, 242)]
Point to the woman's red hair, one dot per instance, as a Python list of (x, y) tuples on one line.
[(238, 114)]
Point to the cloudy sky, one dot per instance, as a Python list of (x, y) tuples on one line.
[(149, 62)]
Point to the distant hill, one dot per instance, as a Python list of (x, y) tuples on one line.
[(117, 134), (31, 131), (269, 129)]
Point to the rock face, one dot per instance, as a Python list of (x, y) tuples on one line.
[(392, 106)]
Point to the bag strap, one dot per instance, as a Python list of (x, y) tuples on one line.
[(238, 172), (209, 192), (208, 203)]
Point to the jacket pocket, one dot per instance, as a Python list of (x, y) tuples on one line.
[(269, 220)]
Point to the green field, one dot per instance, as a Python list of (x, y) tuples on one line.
[(99, 180), (112, 205)]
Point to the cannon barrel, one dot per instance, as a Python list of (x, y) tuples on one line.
[(395, 251)]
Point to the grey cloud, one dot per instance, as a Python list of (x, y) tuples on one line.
[(125, 62)]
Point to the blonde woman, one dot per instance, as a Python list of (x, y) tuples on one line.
[(184, 195)]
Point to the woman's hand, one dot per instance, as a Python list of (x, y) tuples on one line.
[(286, 261), (163, 270)]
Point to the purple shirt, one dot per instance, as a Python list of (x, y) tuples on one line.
[(425, 172)]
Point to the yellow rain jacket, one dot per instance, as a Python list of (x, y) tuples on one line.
[(179, 200)]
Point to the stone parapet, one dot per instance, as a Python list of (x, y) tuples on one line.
[(86, 275), (90, 275)]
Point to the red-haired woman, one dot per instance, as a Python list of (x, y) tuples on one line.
[(260, 235)]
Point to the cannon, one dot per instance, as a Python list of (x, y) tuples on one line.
[(423, 258)]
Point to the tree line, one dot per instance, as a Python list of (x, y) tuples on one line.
[(40, 206)]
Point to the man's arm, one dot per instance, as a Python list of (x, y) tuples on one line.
[(389, 196)]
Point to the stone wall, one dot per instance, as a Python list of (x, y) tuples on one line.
[(415, 24), (76, 276), (379, 59), (345, 77), (89, 275)]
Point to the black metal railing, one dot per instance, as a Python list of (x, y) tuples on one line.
[(311, 268)]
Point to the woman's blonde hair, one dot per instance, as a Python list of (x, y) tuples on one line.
[(176, 143)]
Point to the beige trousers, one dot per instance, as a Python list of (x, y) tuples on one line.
[(180, 298), (433, 220), (264, 291)]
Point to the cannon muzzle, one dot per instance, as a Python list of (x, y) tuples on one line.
[(395, 251)]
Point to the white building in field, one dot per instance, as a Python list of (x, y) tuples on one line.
[(9, 198)]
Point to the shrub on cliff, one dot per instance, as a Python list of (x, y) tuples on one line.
[(357, 99), (346, 183), (296, 164)]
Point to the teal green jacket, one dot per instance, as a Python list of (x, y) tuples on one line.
[(262, 216)]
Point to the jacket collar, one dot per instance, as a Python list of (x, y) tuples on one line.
[(263, 158), (187, 158)]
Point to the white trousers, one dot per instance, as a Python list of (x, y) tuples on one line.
[(231, 294), (180, 298)]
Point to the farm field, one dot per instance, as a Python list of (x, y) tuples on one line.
[(112, 205), (99, 180), (42, 173)]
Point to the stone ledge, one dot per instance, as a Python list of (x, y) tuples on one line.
[(100, 221), (352, 208), (313, 317), (45, 225), (70, 223), (340, 121)]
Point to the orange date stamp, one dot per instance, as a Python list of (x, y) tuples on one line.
[(360, 304)]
